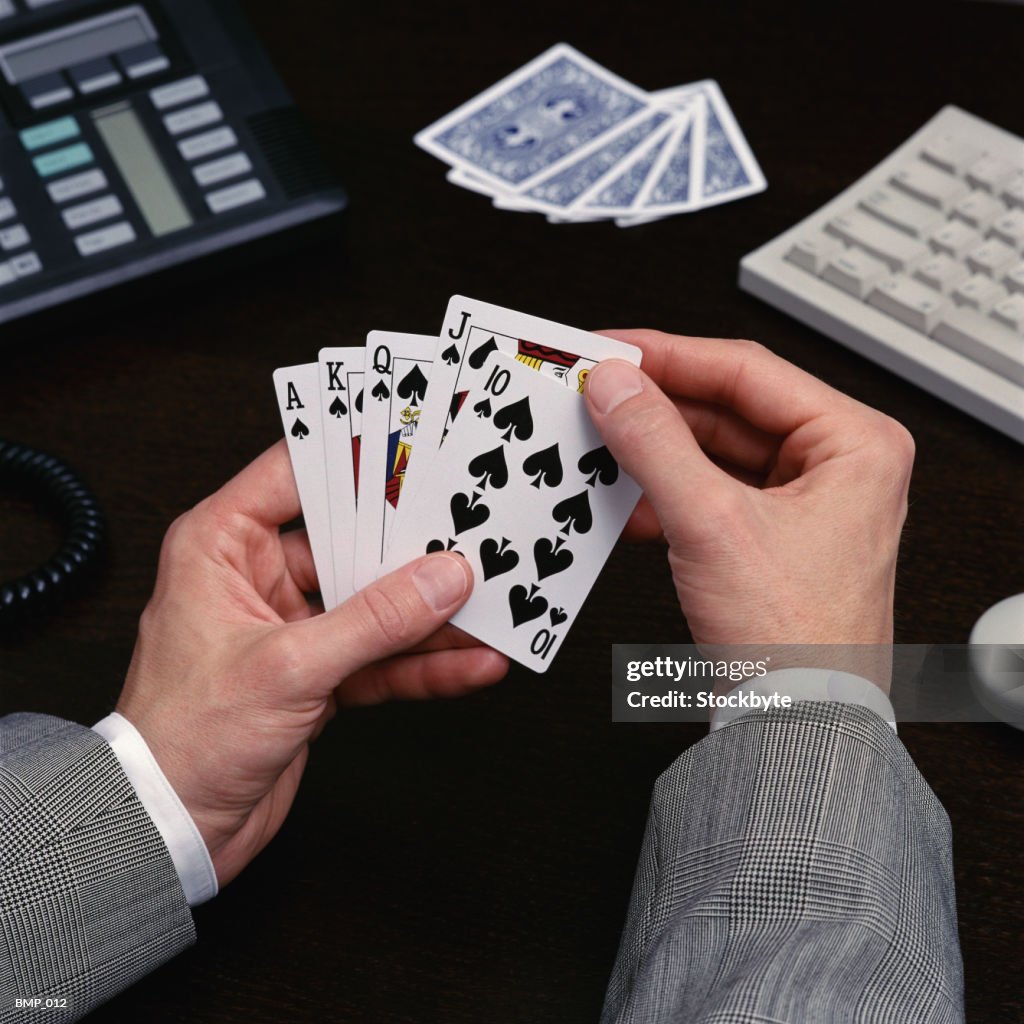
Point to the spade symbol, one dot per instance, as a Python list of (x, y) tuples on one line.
[(496, 559), (575, 513), (479, 357), (600, 465), (515, 419), (483, 409), (359, 401), (549, 558), (380, 392), (450, 355), (467, 512), (526, 605), (338, 408), (491, 468), (413, 386), (558, 616), (300, 430), (439, 545), (546, 466)]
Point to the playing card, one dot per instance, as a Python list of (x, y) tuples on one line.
[(396, 374), (560, 195), (472, 330), (731, 170), (341, 397), (530, 496), (535, 120), (617, 195), (556, 192), (722, 167), (673, 182), (299, 401)]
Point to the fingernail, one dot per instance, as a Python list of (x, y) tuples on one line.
[(441, 581), (609, 384)]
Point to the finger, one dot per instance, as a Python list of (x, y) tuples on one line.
[(264, 491), (721, 432), (389, 616), (447, 637), (741, 375), (298, 560), (421, 676), (651, 441), (643, 524)]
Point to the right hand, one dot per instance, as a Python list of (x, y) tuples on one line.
[(781, 499)]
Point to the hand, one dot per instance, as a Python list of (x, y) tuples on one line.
[(781, 499), (234, 675)]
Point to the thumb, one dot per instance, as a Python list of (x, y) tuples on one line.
[(653, 443), (387, 617)]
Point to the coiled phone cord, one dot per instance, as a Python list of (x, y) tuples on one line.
[(50, 481)]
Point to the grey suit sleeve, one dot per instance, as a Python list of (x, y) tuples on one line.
[(796, 867), (89, 897)]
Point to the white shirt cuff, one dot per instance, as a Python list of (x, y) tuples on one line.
[(810, 684), (174, 823)]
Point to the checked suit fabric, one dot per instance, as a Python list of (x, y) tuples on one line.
[(89, 898)]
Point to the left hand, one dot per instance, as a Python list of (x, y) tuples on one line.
[(234, 675)]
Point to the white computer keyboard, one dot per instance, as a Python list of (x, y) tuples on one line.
[(919, 266)]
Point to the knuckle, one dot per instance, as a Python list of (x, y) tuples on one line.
[(385, 615), (751, 347), (284, 658), (894, 445)]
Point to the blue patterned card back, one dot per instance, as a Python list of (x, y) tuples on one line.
[(535, 118)]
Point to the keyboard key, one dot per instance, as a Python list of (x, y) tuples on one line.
[(46, 91), (58, 160), (48, 134), (940, 272), (1009, 228), (855, 272), (929, 185), (220, 170), (193, 117), (879, 240), (7, 210), (990, 257), (7, 275), (978, 209), (14, 238), (196, 146), (982, 339), (900, 211), (1014, 278), (186, 89), (954, 238), (989, 172), (978, 292), (77, 185), (105, 238), (147, 59), (235, 195), (93, 212), (95, 75), (949, 153), (1010, 311), (1013, 190), (25, 264), (812, 252), (908, 301), (7, 8)]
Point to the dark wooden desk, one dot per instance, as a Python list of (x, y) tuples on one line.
[(471, 861)]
